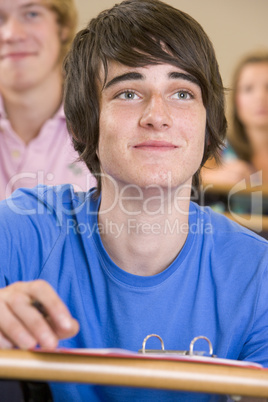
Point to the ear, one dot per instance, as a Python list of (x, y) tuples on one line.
[(64, 34)]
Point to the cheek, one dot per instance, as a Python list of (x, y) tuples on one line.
[(113, 129), (239, 103), (195, 127), (49, 35), (109, 139), (197, 139), (105, 134), (243, 104)]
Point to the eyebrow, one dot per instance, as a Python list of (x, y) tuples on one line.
[(187, 77), (31, 4), (137, 76), (124, 77)]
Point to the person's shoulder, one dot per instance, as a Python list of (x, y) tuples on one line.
[(50, 196), (231, 248), (43, 201)]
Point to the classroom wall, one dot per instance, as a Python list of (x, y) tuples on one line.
[(234, 26)]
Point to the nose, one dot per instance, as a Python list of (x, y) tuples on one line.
[(156, 114), (12, 30)]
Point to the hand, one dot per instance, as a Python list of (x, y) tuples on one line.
[(228, 173), (237, 170), (24, 324)]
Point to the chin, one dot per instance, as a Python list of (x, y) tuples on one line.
[(163, 181), (23, 85)]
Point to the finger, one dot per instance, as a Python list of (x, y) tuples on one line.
[(5, 343), (13, 330), (33, 321), (53, 307)]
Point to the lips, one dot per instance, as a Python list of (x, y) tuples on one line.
[(155, 144), (15, 55)]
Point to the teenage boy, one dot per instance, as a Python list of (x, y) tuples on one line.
[(144, 102)]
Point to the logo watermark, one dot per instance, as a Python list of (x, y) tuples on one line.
[(134, 226), (151, 201)]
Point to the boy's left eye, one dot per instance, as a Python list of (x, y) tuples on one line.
[(182, 95)]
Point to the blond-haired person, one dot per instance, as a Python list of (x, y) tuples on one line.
[(35, 147)]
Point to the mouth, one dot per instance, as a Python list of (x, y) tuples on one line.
[(156, 146), (16, 56)]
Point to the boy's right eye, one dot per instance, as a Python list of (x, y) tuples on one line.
[(127, 95)]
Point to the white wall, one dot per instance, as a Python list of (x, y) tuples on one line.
[(234, 26)]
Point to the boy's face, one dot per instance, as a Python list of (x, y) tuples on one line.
[(30, 43), (152, 126)]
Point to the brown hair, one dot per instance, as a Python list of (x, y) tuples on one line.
[(237, 136), (67, 18), (138, 33)]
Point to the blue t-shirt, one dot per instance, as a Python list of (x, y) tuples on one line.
[(216, 287)]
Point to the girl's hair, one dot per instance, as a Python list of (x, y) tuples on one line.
[(237, 135)]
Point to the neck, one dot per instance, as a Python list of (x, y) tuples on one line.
[(29, 109), (144, 234)]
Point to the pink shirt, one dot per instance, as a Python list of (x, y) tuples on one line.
[(47, 159)]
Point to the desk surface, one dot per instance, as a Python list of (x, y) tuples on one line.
[(226, 189), (257, 223), (159, 374)]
